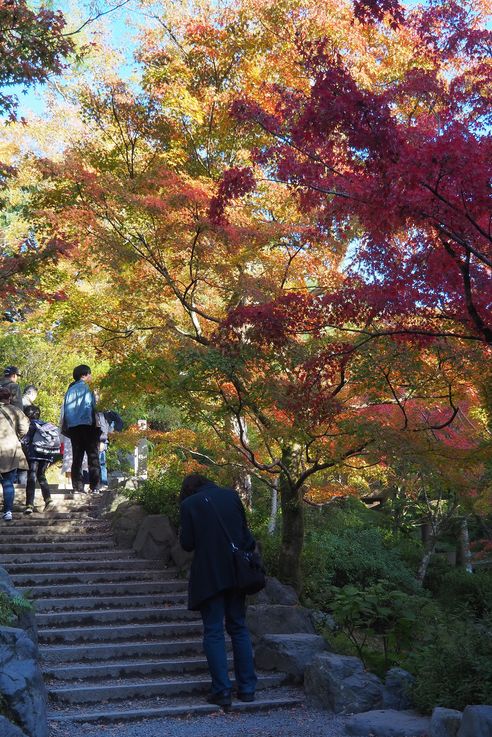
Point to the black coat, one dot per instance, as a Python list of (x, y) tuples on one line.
[(212, 569)]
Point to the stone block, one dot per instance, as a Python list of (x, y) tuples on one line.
[(7, 729), (278, 619), (275, 592), (126, 521), (397, 689), (181, 558), (155, 538), (445, 722), (21, 682), (289, 654), (476, 722), (388, 723), (340, 684)]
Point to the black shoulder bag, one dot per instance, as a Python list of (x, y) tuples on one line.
[(248, 566)]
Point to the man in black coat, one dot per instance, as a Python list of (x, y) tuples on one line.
[(212, 581)]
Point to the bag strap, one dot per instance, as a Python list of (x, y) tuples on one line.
[(221, 522), (9, 420)]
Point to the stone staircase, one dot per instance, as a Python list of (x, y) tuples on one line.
[(115, 637)]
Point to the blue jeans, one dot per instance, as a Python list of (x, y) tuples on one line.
[(7, 480), (228, 605), (104, 468)]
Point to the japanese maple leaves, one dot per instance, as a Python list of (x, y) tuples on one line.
[(407, 162)]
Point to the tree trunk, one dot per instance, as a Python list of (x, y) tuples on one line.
[(464, 546), (272, 524), (243, 486), (292, 531), (426, 559)]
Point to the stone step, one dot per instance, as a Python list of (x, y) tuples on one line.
[(117, 616), (85, 653), (96, 555), (55, 517), (94, 539), (33, 525), (113, 602), (126, 669), (111, 633), (58, 546), (74, 566), (162, 687), (53, 579), (132, 588), (170, 708)]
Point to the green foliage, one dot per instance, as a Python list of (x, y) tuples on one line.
[(350, 556), (452, 666), (471, 592), (381, 612), (11, 608), (160, 494)]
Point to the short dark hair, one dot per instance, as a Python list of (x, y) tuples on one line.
[(33, 412), (191, 484), (5, 396), (80, 371), (29, 387)]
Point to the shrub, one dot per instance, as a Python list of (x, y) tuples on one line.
[(350, 556), (11, 608), (471, 591), (453, 666), (159, 495)]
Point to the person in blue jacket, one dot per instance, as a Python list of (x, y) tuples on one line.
[(79, 424), (212, 585)]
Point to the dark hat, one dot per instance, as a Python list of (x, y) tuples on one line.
[(11, 370)]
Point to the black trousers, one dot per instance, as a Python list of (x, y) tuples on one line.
[(37, 470), (85, 439)]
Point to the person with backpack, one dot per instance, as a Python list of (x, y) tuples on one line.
[(79, 424), (13, 426), (41, 446)]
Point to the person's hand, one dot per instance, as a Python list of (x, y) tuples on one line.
[(102, 447)]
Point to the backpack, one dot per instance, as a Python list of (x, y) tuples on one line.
[(46, 440)]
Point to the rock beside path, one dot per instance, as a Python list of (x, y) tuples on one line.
[(445, 722), (388, 723), (7, 729), (278, 619), (289, 654), (21, 682), (476, 722), (126, 519), (340, 684), (155, 538)]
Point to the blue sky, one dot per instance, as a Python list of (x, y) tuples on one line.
[(119, 27)]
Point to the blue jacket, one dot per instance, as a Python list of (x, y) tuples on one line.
[(79, 405)]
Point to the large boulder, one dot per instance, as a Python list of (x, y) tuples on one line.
[(339, 683), (155, 538), (26, 620), (181, 558), (445, 722), (289, 654), (476, 722), (21, 682), (126, 521), (275, 592), (397, 689), (278, 619), (388, 723), (7, 729)]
